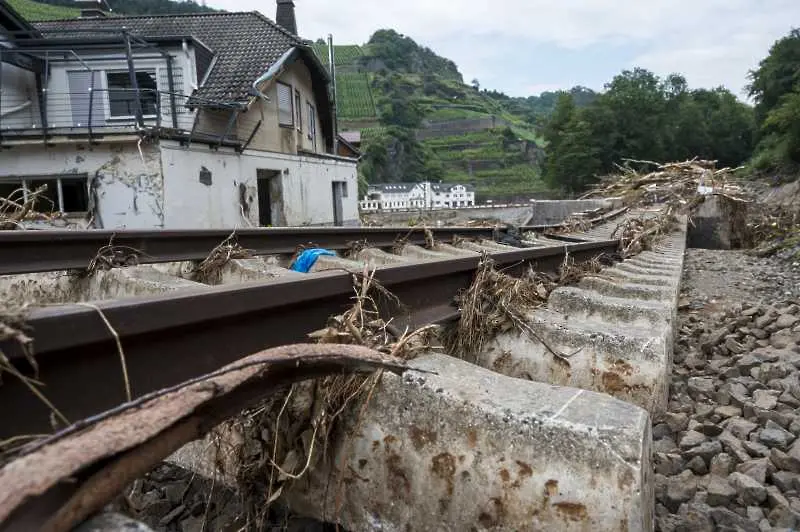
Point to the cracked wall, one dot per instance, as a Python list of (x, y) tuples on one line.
[(125, 180)]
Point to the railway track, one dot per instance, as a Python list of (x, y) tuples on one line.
[(191, 329)]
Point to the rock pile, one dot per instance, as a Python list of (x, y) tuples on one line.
[(172, 499), (727, 453)]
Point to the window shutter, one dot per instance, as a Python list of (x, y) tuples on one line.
[(285, 113)]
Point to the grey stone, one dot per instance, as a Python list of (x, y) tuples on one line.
[(779, 419), (700, 386), (719, 492), (775, 436), (784, 517), (676, 421), (701, 412), (755, 513), (661, 430), (761, 334), (754, 448), (691, 439), (757, 469), (784, 462), (680, 489), (705, 450), (710, 429), (728, 411), (733, 346), (157, 510), (695, 517), (781, 339), (107, 522), (175, 492), (697, 465), (664, 445), (785, 480), (740, 427), (172, 515), (766, 399), (785, 321), (668, 464), (728, 521), (775, 498), (733, 446), (763, 321), (738, 392), (789, 399), (722, 465), (750, 490)]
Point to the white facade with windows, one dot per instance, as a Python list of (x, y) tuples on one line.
[(414, 196), (122, 147)]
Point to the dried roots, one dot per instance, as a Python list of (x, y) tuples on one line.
[(210, 270), (286, 437)]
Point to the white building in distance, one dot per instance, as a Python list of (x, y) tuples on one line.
[(414, 196)]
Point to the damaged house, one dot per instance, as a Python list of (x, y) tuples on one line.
[(215, 120)]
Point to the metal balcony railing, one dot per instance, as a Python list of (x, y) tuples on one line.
[(101, 112)]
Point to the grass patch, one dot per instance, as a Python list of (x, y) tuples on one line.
[(31, 10)]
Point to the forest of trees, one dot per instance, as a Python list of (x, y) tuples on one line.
[(641, 116), (775, 88)]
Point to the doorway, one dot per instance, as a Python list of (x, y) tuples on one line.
[(269, 197), (339, 193)]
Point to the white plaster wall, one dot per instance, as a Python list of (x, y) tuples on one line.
[(128, 182), (18, 87), (306, 187)]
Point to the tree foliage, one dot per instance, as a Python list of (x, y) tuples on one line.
[(775, 88), (390, 50), (641, 116)]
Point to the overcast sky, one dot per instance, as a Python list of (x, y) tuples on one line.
[(523, 47)]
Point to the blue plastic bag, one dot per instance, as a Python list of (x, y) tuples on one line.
[(306, 260)]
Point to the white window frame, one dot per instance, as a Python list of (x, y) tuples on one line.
[(123, 118), (25, 184), (312, 124), (285, 113)]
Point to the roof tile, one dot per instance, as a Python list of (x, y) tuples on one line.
[(246, 44)]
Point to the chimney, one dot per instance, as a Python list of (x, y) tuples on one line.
[(285, 16), (93, 8)]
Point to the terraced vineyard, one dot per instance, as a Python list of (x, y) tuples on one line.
[(354, 96), (342, 54)]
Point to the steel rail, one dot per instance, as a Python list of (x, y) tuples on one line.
[(168, 339), (40, 251)]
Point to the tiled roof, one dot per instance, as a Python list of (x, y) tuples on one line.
[(245, 44)]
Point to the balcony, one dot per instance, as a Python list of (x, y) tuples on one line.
[(98, 113)]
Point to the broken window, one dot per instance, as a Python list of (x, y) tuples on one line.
[(67, 193), (285, 111), (122, 96)]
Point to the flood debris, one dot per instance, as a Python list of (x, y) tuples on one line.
[(21, 205), (497, 302), (287, 435), (209, 271)]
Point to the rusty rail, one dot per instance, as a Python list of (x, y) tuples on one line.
[(170, 338), (103, 455), (51, 250)]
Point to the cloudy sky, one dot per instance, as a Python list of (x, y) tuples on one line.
[(523, 47)]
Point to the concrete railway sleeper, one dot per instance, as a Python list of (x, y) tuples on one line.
[(517, 442)]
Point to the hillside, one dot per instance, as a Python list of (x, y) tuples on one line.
[(31, 10), (58, 9), (419, 120)]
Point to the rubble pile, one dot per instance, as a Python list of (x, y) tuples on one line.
[(727, 453)]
